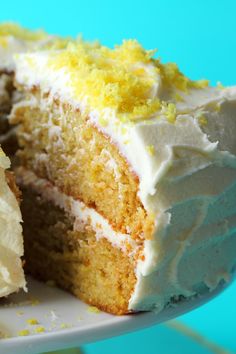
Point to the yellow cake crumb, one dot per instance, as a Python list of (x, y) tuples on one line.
[(151, 150), (23, 333), (93, 309), (32, 321), (39, 329), (170, 112)]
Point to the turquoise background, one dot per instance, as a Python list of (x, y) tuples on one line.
[(201, 37)]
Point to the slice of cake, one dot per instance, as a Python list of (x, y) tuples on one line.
[(128, 172), (11, 241)]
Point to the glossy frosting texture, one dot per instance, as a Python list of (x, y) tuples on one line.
[(11, 241), (184, 156)]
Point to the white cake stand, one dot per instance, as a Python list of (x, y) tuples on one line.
[(64, 321)]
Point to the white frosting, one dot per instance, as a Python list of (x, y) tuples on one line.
[(188, 183), (12, 45), (11, 241)]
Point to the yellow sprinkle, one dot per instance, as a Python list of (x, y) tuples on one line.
[(151, 150), (39, 329), (93, 309), (20, 313), (23, 333), (170, 112), (32, 321)]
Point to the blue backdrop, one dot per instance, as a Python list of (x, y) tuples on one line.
[(201, 37)]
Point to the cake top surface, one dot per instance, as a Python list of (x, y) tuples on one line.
[(126, 79)]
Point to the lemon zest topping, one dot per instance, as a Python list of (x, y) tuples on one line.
[(23, 333), (123, 79), (32, 321), (151, 150), (170, 112), (93, 309), (39, 329)]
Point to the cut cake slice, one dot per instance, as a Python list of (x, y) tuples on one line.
[(128, 174)]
